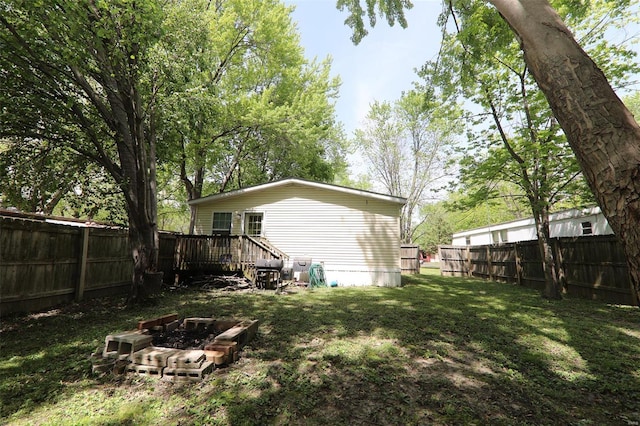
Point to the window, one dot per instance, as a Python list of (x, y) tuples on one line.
[(253, 224), (495, 237), (586, 228), (221, 223), (498, 237), (467, 240)]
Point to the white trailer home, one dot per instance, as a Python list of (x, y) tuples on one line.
[(354, 234), (566, 223)]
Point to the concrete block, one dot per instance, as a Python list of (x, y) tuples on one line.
[(125, 343), (228, 348), (120, 366), (172, 326), (187, 359), (103, 368), (224, 324), (188, 374), (236, 334), (217, 357), (153, 356), (146, 370), (157, 321), (251, 327), (201, 324)]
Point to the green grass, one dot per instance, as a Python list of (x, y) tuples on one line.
[(435, 351)]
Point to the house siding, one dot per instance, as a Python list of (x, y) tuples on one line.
[(566, 223), (356, 238)]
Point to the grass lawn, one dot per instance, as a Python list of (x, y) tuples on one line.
[(436, 351)]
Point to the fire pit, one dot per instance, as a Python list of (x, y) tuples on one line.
[(175, 349)]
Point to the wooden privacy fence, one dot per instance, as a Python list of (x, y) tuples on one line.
[(409, 259), (44, 264), (592, 267)]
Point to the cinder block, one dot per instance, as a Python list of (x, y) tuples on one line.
[(125, 343), (191, 324), (148, 324), (157, 321), (187, 359), (217, 357), (103, 365), (224, 324), (146, 370), (236, 334), (172, 326), (188, 374), (153, 356), (251, 327), (229, 348)]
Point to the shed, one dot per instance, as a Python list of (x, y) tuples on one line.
[(354, 234)]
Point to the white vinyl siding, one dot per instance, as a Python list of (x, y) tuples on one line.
[(357, 238)]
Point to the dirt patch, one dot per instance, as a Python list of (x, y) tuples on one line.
[(183, 339)]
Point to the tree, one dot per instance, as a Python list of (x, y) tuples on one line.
[(120, 82), (35, 174), (404, 145), (601, 131), (525, 144), (251, 108), (76, 73)]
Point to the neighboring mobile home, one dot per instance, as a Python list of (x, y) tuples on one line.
[(354, 234), (566, 223)]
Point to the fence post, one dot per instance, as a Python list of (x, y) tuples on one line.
[(83, 264), (469, 273), (489, 265)]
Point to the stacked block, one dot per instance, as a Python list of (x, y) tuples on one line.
[(190, 365), (200, 324), (221, 352), (125, 344), (133, 351), (158, 322)]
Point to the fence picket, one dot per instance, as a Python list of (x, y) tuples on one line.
[(592, 267)]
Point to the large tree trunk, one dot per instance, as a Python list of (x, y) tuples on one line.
[(552, 289), (600, 129), (136, 145)]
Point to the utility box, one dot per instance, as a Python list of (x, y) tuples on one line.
[(301, 267)]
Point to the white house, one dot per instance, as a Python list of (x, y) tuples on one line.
[(354, 234), (566, 223)]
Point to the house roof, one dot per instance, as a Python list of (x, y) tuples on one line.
[(298, 182), (529, 221)]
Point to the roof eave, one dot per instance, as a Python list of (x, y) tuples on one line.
[(290, 181)]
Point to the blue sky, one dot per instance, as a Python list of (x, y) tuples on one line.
[(381, 66), (384, 63)]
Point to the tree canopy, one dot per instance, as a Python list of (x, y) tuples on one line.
[(180, 86), (405, 145)]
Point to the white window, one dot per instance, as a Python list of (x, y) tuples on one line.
[(587, 228), (495, 237), (467, 240), (498, 237), (221, 223), (253, 224)]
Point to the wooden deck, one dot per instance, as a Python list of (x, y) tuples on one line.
[(222, 254)]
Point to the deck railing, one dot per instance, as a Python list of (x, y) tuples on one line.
[(220, 253)]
